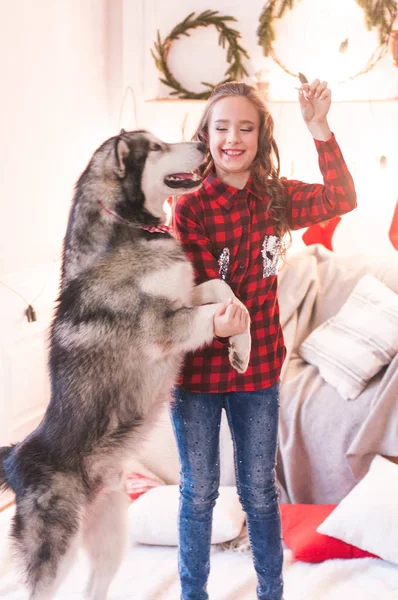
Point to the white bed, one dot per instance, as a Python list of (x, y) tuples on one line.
[(150, 573)]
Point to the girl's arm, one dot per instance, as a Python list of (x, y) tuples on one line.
[(195, 241), (231, 319), (313, 203)]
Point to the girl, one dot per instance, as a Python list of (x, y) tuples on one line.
[(233, 228)]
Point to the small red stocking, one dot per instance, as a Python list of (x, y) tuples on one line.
[(321, 233), (393, 233)]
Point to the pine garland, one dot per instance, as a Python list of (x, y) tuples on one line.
[(227, 36), (379, 14), (266, 31)]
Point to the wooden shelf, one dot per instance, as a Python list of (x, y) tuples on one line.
[(174, 101), (171, 101)]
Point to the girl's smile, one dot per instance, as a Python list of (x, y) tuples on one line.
[(232, 153)]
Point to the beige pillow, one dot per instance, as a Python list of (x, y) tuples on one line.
[(352, 346)]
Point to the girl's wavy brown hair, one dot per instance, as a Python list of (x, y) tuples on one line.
[(266, 165)]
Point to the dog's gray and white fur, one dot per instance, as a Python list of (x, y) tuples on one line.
[(127, 313)]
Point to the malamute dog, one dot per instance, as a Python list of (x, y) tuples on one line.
[(127, 313)]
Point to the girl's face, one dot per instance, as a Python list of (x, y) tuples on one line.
[(233, 137)]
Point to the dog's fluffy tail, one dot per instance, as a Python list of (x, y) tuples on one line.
[(4, 453)]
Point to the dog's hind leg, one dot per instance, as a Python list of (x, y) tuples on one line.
[(105, 538), (45, 535)]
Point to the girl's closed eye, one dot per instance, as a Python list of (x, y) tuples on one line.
[(244, 129)]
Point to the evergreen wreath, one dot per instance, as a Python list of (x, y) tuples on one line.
[(227, 35), (379, 14)]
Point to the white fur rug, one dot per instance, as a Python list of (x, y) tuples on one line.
[(150, 573)]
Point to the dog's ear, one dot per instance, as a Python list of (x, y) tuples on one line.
[(122, 151)]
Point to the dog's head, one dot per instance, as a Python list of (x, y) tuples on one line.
[(146, 171)]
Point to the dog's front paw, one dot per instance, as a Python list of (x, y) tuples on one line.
[(239, 351)]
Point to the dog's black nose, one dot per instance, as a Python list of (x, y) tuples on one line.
[(202, 147)]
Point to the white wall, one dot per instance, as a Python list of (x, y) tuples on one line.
[(54, 110), (61, 87)]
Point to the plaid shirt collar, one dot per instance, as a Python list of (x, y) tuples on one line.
[(226, 194)]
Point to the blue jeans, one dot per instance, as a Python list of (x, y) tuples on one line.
[(253, 421)]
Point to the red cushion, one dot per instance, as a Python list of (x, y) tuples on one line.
[(137, 484), (299, 524), (321, 233)]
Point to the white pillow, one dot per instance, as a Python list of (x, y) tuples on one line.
[(368, 516), (352, 346), (153, 516)]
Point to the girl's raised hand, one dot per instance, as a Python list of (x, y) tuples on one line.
[(315, 99)]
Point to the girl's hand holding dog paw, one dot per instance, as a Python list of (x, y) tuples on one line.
[(231, 318)]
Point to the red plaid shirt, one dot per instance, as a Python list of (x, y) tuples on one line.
[(228, 233)]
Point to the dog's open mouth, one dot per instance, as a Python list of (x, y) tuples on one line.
[(186, 180)]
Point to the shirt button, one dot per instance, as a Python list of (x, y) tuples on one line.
[(241, 266), (244, 227), (241, 193)]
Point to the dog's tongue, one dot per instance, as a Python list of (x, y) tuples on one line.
[(182, 175), (189, 175)]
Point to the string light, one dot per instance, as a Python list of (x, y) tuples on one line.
[(128, 90)]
